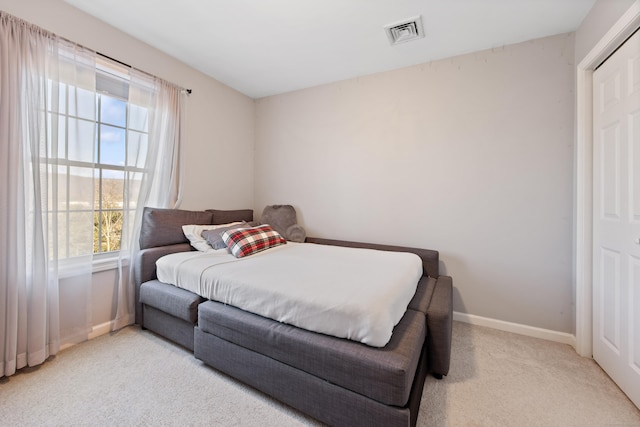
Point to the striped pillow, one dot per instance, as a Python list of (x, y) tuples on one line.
[(247, 241)]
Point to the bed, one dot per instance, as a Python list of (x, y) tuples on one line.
[(340, 381)]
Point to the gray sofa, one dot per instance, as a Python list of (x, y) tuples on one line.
[(337, 381)]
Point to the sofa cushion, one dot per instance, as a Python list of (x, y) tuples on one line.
[(161, 227), (177, 302), (349, 364)]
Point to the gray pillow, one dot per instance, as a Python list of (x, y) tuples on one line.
[(296, 233), (214, 237), (283, 219)]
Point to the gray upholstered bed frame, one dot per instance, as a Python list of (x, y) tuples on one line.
[(336, 381)]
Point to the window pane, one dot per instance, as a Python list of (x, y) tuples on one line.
[(134, 184), (59, 227), (138, 118), (56, 97), (112, 189), (137, 149), (56, 135), (51, 195), (113, 111), (110, 230), (82, 103), (81, 188), (58, 200), (80, 226), (108, 217), (112, 145), (81, 140)]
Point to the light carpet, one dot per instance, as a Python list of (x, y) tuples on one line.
[(134, 378)]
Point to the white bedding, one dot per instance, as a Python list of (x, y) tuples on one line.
[(358, 294)]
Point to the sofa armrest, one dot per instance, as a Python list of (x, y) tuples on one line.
[(144, 266), (439, 327)]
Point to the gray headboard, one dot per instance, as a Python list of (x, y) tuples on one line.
[(163, 227)]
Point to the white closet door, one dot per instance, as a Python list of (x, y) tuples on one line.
[(616, 217)]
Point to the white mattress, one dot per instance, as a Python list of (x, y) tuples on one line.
[(358, 294)]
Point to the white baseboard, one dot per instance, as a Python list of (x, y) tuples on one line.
[(101, 329), (96, 331), (516, 328)]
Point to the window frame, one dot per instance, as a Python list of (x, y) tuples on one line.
[(112, 80)]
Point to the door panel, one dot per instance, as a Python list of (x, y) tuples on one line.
[(610, 172), (616, 219), (610, 299), (634, 159), (634, 304)]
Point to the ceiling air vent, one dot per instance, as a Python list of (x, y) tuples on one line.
[(404, 31)]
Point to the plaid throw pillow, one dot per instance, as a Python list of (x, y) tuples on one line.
[(247, 241)]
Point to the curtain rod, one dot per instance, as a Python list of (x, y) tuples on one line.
[(188, 91), (52, 34)]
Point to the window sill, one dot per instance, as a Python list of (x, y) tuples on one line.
[(102, 262)]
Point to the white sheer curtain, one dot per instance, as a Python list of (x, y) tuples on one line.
[(158, 106), (36, 188)]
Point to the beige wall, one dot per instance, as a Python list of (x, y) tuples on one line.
[(219, 125), (471, 156)]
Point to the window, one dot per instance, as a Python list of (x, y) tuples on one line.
[(101, 141)]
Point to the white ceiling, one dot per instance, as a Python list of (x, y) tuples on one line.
[(266, 47)]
